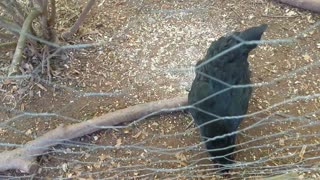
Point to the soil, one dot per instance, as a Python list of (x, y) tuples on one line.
[(148, 52)]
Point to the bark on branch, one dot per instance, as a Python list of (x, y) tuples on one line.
[(24, 158), (312, 5), (17, 57), (81, 18)]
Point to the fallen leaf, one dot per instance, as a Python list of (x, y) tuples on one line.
[(137, 135), (97, 165), (41, 87), (102, 157), (180, 156), (119, 142), (28, 132), (303, 151), (281, 142), (7, 81), (65, 167), (291, 13), (306, 57)]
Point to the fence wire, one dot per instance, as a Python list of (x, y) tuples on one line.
[(134, 52)]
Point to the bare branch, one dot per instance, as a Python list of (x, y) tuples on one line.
[(24, 158), (79, 21), (17, 57)]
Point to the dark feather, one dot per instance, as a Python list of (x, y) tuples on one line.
[(214, 76)]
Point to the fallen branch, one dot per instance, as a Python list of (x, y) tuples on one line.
[(17, 57), (312, 5), (24, 158)]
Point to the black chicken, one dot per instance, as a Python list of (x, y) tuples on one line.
[(213, 97)]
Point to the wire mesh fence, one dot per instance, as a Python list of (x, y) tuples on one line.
[(133, 52)]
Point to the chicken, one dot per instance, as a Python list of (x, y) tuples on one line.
[(213, 95)]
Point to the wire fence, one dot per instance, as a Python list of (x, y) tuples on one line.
[(135, 52)]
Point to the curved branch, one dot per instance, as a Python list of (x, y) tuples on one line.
[(17, 57), (24, 158)]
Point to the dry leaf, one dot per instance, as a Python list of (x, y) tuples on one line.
[(97, 165), (281, 142), (291, 13), (137, 135), (95, 138), (306, 57), (303, 151), (180, 156), (65, 167), (7, 81), (29, 132), (155, 124), (183, 163), (41, 87), (22, 107), (102, 157), (119, 142), (70, 175)]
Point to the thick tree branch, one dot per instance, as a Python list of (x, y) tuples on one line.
[(312, 5), (24, 158), (79, 21), (17, 57)]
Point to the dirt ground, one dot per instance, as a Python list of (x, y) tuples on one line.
[(149, 50)]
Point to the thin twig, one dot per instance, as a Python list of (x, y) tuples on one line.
[(6, 36), (9, 26), (10, 9), (8, 45), (17, 57), (19, 9), (271, 16), (79, 21)]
